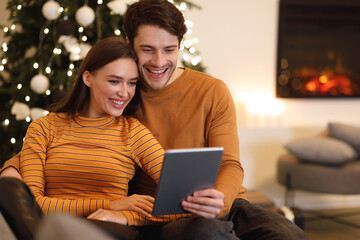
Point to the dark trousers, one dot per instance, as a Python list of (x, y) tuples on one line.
[(247, 220), (23, 215)]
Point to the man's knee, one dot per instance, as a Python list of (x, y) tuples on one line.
[(255, 222), (198, 228)]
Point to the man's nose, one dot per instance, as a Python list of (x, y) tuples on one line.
[(159, 59)]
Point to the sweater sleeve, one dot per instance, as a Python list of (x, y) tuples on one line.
[(148, 155), (12, 162), (146, 151), (223, 132), (32, 165)]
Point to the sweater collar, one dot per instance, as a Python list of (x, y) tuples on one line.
[(94, 122)]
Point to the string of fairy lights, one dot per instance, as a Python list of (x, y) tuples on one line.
[(76, 48)]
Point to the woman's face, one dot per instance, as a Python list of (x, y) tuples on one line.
[(111, 88)]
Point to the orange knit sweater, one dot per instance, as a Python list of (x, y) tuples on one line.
[(75, 166), (196, 110)]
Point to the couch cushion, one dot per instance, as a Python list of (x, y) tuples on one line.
[(346, 133), (318, 178), (324, 150)]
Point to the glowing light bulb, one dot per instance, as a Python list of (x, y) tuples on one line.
[(192, 50), (71, 66), (196, 60), (6, 29), (69, 73), (100, 2), (13, 140), (27, 98), (28, 119), (19, 7), (2, 68), (48, 92), (81, 29), (46, 30), (19, 86), (57, 51), (36, 65), (84, 38), (48, 70), (182, 6), (6, 122), (186, 57), (117, 32), (13, 27), (4, 61), (61, 9), (189, 23)]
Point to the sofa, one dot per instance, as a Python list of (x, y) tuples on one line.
[(327, 163)]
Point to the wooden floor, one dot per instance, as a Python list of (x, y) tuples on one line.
[(329, 228)]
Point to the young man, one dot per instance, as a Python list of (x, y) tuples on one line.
[(187, 109)]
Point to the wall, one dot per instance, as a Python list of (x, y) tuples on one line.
[(238, 40), (238, 45)]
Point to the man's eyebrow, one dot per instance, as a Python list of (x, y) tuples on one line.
[(149, 46)]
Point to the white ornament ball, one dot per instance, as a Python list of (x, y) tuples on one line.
[(37, 112), (39, 83), (85, 16), (51, 10), (20, 110)]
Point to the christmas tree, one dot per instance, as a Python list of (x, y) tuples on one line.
[(45, 42)]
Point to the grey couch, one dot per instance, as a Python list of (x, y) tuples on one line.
[(325, 164)]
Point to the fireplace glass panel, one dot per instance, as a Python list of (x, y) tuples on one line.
[(318, 49)]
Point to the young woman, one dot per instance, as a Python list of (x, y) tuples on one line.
[(79, 158)]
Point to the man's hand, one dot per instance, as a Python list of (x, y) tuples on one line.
[(205, 203), (11, 172), (109, 216), (142, 204)]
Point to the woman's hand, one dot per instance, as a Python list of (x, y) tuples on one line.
[(109, 216), (205, 203), (142, 204), (11, 172)]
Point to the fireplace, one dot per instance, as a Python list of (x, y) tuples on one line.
[(318, 49)]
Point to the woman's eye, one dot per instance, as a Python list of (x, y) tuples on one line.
[(133, 83), (113, 81)]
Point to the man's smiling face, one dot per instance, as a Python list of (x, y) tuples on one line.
[(157, 51)]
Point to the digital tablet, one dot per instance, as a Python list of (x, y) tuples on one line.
[(185, 171)]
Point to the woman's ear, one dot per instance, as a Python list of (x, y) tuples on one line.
[(127, 41), (86, 77)]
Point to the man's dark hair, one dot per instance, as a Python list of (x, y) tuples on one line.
[(102, 53), (160, 13)]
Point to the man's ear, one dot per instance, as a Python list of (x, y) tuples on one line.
[(87, 77)]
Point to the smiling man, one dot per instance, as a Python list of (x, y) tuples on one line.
[(187, 109)]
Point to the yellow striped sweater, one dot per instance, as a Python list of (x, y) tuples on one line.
[(77, 165)]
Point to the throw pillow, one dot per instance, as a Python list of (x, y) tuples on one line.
[(323, 150), (347, 133)]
